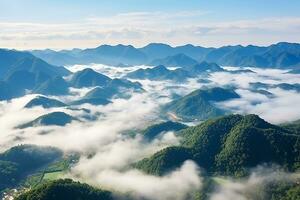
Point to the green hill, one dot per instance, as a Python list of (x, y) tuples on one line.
[(17, 162), (229, 145), (65, 189), (199, 105), (153, 131), (50, 119)]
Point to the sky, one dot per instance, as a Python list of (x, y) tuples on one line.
[(66, 24)]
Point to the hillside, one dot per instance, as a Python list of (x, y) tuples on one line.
[(281, 55), (17, 162), (179, 60), (44, 102), (50, 119), (21, 71), (155, 130), (229, 145), (199, 105), (160, 72), (65, 189), (88, 78)]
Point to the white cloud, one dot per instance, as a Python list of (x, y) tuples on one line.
[(140, 28), (174, 186)]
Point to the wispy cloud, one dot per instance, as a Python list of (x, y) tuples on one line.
[(140, 28)]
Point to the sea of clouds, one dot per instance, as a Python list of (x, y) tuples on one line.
[(114, 151)]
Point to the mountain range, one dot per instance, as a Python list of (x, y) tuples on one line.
[(280, 55)]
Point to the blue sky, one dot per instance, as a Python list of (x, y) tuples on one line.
[(30, 24)]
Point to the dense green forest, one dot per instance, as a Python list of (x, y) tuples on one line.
[(65, 189), (229, 146)]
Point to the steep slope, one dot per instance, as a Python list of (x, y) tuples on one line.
[(88, 78), (155, 130), (181, 74), (229, 145), (7, 92), (203, 67), (113, 55), (179, 60), (22, 71), (65, 189), (198, 105), (17, 162), (50, 119), (159, 73), (121, 88), (44, 102), (280, 55), (54, 86)]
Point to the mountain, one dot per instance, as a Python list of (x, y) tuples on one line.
[(88, 78), (204, 67), (158, 51), (91, 100), (112, 55), (22, 71), (155, 73), (105, 54), (159, 73), (292, 126), (229, 145), (19, 161), (44, 102), (60, 58), (179, 60), (116, 87), (50, 119), (198, 105), (56, 86), (281, 55), (181, 74), (7, 92), (155, 130), (65, 189), (283, 86)]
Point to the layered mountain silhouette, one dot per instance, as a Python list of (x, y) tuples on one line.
[(21, 71), (181, 74), (66, 189), (89, 78), (280, 55), (179, 60)]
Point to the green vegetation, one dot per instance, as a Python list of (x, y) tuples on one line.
[(198, 105), (153, 131), (20, 161), (229, 145), (65, 189), (50, 119), (293, 126)]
